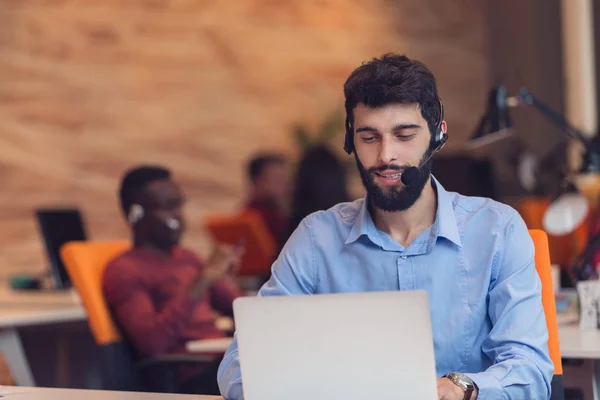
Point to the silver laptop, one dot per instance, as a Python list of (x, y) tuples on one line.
[(375, 345)]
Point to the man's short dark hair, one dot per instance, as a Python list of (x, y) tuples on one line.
[(257, 164), (391, 79), (135, 179)]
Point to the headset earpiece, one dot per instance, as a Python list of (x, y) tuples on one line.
[(136, 213), (349, 138), (442, 142), (439, 137)]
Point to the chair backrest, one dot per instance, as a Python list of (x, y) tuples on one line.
[(543, 267), (85, 262), (247, 227)]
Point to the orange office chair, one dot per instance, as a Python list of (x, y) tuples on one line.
[(245, 227), (85, 262), (543, 267)]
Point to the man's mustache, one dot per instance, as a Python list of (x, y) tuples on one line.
[(387, 167)]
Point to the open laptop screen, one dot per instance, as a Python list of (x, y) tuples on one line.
[(59, 226)]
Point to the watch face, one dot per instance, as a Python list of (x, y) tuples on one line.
[(464, 382), (464, 379), (462, 376)]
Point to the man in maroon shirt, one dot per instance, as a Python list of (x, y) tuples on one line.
[(161, 294), (268, 175)]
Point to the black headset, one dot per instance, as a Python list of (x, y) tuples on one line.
[(437, 141)]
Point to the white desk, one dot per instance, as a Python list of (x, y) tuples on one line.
[(26, 308), (209, 345), (576, 343), (19, 309), (29, 393)]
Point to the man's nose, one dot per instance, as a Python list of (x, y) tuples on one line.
[(387, 150)]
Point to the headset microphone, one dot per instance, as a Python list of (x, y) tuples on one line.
[(410, 176)]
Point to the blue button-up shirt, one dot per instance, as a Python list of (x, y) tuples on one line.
[(476, 262)]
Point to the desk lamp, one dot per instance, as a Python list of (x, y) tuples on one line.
[(569, 210)]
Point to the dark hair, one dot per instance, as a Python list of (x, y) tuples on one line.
[(390, 79), (319, 184), (135, 179), (259, 162)]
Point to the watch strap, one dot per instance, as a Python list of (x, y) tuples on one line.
[(468, 393)]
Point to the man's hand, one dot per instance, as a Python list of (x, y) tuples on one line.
[(447, 390), (224, 261)]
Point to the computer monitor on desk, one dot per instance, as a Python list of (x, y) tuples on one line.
[(59, 226)]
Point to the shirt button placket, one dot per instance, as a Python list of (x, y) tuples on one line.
[(404, 273)]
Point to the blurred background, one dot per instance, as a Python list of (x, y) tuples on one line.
[(90, 88)]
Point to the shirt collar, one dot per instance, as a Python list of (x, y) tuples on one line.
[(445, 224), (361, 223)]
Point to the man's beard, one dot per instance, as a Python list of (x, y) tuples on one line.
[(394, 198)]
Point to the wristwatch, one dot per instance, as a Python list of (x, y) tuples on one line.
[(462, 381)]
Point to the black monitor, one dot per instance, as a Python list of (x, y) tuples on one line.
[(59, 226)]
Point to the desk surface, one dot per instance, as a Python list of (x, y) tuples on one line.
[(37, 308), (28, 393), (66, 297), (576, 343), (23, 308), (209, 345), (25, 316)]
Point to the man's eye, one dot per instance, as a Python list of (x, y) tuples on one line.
[(405, 138), (368, 139)]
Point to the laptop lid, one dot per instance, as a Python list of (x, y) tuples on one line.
[(59, 226), (376, 345)]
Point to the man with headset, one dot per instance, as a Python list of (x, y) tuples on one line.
[(473, 256), (162, 294)]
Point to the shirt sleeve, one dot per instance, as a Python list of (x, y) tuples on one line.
[(293, 273), (518, 341), (151, 332)]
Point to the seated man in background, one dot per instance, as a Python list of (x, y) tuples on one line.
[(268, 174), (162, 294), (473, 256)]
